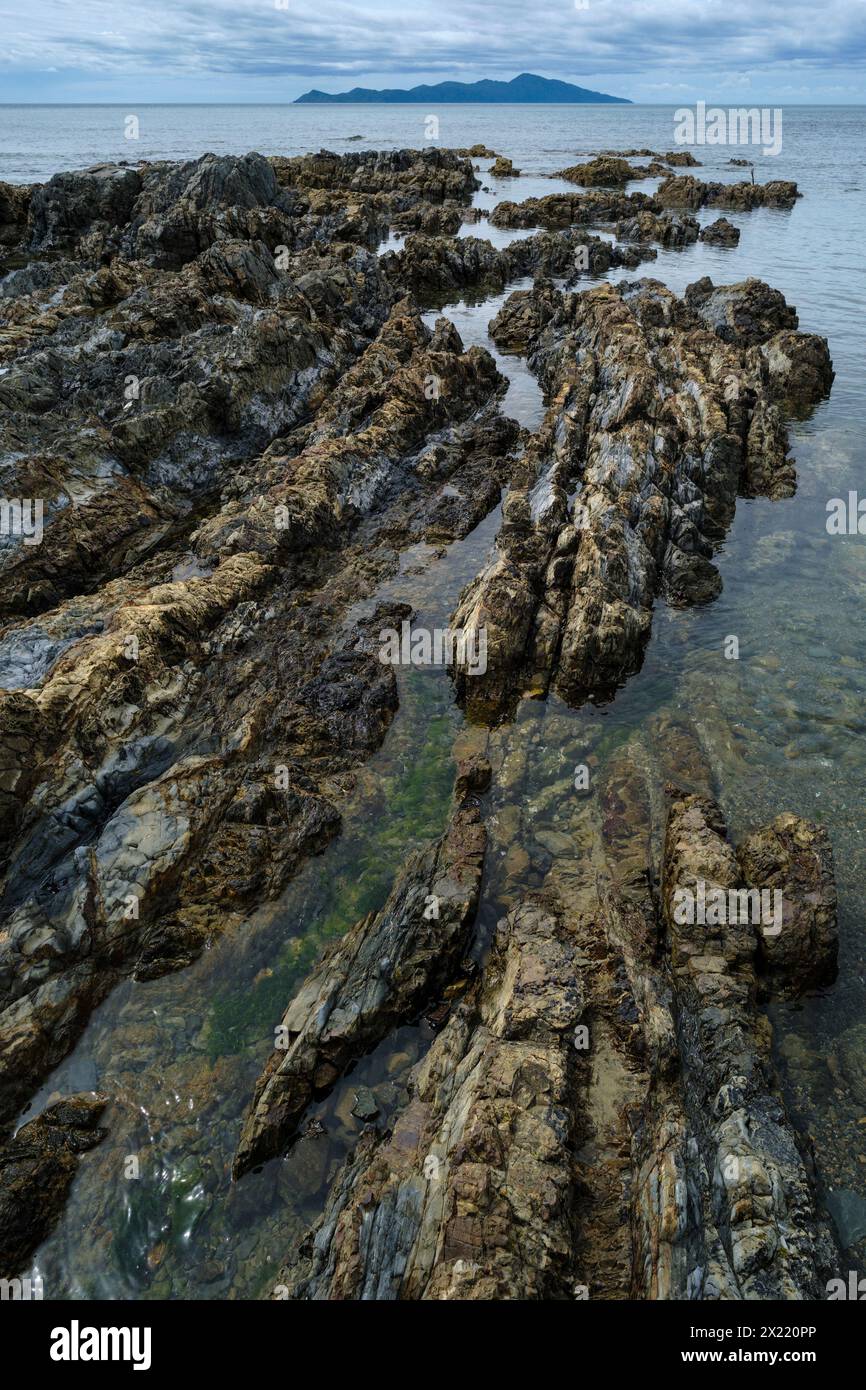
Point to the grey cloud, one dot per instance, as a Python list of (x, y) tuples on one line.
[(343, 42)]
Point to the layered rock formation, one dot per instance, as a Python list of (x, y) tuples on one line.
[(470, 1196), (662, 412), (725, 1206), (557, 210), (599, 1117), (229, 414), (384, 970), (435, 268), (237, 425), (36, 1172), (685, 191)]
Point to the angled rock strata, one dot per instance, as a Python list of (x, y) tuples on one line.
[(37, 1167), (226, 425), (470, 1195), (599, 1116), (233, 421), (724, 1202), (662, 411), (384, 970)]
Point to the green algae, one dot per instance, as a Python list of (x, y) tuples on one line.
[(410, 808)]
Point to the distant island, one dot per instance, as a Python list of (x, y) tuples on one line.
[(523, 90)]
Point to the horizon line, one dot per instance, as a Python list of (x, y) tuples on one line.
[(475, 105)]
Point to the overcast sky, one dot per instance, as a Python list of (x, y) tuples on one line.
[(255, 50)]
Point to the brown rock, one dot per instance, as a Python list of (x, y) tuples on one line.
[(794, 857)]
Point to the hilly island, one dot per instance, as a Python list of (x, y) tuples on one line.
[(523, 90)]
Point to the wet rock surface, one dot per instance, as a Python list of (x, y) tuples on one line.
[(730, 1153), (599, 1116), (470, 1196), (37, 1167), (234, 420), (241, 428), (662, 412), (384, 970), (794, 858)]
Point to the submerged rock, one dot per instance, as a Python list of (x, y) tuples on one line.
[(848, 1210), (599, 1115), (471, 1195), (794, 858), (239, 424), (381, 974), (365, 1106), (235, 420), (726, 1204), (37, 1167)]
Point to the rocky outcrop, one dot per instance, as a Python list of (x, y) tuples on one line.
[(599, 1117), (793, 858), (14, 207), (240, 427), (668, 231), (101, 197), (386, 968), (37, 1167), (677, 158), (744, 315), (438, 267), (642, 385), (433, 219), (685, 191), (558, 210), (602, 172), (164, 848), (502, 168), (477, 151), (725, 1205), (796, 371), (434, 175), (213, 396), (721, 233), (471, 1195)]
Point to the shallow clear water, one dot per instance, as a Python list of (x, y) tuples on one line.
[(523, 400), (784, 724)]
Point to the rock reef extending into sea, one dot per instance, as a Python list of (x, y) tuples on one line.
[(516, 1171), (219, 385)]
